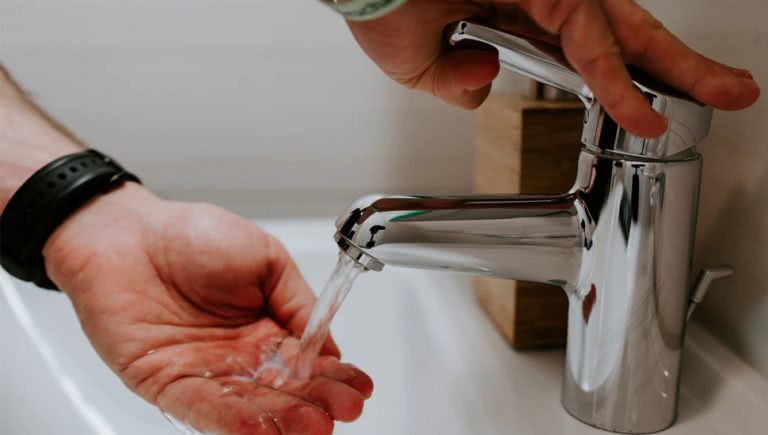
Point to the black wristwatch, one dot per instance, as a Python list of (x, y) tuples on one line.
[(44, 201)]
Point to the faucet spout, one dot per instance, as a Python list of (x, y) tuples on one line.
[(526, 237)]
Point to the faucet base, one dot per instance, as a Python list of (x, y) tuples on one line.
[(591, 421)]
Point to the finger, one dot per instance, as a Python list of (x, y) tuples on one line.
[(743, 73), (244, 408), (591, 48), (289, 297), (647, 44), (212, 355), (512, 19), (339, 400), (346, 373), (462, 78)]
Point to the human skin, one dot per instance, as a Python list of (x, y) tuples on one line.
[(181, 299), (598, 38)]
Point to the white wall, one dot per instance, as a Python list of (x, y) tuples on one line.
[(733, 215), (269, 108)]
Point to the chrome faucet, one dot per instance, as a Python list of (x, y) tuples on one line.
[(619, 243)]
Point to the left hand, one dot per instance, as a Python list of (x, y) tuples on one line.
[(598, 38)]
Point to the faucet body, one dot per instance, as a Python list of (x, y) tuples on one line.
[(619, 242)]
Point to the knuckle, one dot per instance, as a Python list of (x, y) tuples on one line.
[(552, 15), (642, 16), (600, 62)]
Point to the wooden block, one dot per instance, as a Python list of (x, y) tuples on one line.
[(526, 146)]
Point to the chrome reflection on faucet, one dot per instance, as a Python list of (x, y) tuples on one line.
[(620, 243)]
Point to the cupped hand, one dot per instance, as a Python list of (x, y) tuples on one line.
[(185, 302), (598, 38)]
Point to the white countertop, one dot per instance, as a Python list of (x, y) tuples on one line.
[(438, 364)]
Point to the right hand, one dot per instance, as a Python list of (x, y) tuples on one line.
[(185, 301), (598, 38)]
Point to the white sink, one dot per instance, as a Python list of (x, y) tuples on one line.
[(438, 365)]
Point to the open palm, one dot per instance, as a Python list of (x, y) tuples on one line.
[(185, 302)]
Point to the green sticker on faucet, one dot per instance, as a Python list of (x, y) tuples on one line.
[(405, 216)]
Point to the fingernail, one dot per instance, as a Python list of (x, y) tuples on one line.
[(742, 73), (747, 84)]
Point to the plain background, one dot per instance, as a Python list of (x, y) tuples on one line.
[(269, 108)]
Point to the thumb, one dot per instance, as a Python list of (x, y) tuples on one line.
[(462, 78)]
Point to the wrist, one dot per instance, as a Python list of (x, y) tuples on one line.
[(21, 162), (101, 229)]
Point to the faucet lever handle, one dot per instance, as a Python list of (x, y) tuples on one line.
[(702, 284), (540, 61), (546, 63)]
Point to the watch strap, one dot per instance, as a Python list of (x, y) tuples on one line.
[(44, 201)]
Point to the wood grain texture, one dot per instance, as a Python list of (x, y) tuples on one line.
[(526, 146)]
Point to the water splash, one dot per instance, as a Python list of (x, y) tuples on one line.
[(281, 365), (273, 370), (280, 369)]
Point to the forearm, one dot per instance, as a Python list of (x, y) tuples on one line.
[(28, 138)]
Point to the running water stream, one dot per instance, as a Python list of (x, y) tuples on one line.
[(279, 367), (318, 327)]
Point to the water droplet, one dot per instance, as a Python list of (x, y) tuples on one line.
[(243, 378), (208, 374), (181, 426)]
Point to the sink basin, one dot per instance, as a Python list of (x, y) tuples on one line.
[(438, 364)]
